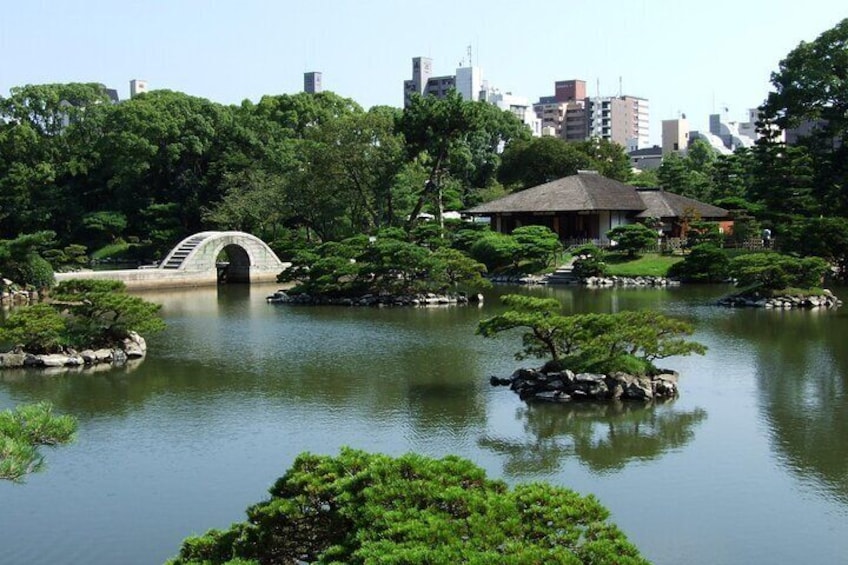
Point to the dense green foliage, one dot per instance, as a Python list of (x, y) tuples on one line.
[(527, 249), (820, 237), (543, 159), (600, 343), (136, 177), (22, 263), (704, 263), (82, 314), (633, 238), (589, 261), (23, 430), (385, 264), (164, 164), (360, 508), (774, 271)]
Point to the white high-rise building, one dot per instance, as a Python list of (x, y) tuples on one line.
[(137, 86), (469, 82)]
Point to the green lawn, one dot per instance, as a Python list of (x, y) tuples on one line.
[(645, 265), (117, 249)]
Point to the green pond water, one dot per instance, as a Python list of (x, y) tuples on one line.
[(749, 465)]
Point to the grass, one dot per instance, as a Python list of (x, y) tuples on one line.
[(645, 265), (111, 250)]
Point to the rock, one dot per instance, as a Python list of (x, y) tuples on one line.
[(12, 360), (119, 357), (135, 346), (639, 389), (32, 360), (552, 396), (102, 355), (53, 360)]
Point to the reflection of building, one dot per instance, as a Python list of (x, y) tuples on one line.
[(312, 82)]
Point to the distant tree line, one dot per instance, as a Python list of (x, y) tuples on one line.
[(131, 179)]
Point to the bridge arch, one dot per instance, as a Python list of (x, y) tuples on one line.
[(250, 258), (192, 262)]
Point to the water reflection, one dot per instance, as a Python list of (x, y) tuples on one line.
[(604, 436), (802, 377)]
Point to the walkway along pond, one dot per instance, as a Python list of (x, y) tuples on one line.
[(748, 465)]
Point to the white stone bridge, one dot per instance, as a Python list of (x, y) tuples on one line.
[(194, 262)]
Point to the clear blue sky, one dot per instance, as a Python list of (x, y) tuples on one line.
[(695, 57)]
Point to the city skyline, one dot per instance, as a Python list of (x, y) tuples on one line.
[(685, 58)]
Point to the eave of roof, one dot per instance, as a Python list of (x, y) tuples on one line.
[(580, 192)]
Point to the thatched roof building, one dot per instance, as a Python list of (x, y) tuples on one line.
[(587, 205)]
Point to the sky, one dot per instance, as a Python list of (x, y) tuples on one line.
[(689, 57)]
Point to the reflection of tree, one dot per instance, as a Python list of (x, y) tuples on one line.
[(226, 346), (802, 374), (605, 436)]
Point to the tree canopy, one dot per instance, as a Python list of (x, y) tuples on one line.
[(361, 508), (23, 431), (604, 343)]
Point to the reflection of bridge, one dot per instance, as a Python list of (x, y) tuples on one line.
[(195, 261)]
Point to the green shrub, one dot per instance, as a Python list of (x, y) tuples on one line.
[(538, 245), (360, 508), (633, 238), (705, 263), (625, 341), (589, 262), (38, 328), (774, 271), (495, 250), (32, 271), (23, 430)]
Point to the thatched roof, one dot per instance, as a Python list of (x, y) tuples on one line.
[(583, 191), (589, 191), (662, 204)]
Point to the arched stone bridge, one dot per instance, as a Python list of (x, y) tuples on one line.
[(194, 262)]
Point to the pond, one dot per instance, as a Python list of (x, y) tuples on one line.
[(749, 465)]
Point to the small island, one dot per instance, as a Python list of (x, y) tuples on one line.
[(773, 280), (82, 323), (591, 356), (382, 270)]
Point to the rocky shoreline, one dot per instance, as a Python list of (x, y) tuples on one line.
[(427, 299), (826, 300), (629, 281), (11, 296), (537, 385), (644, 281), (133, 347)]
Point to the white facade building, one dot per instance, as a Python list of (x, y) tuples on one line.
[(469, 82), (518, 105)]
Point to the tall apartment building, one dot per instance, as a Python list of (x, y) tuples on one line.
[(622, 119), (312, 82), (574, 116), (569, 90)]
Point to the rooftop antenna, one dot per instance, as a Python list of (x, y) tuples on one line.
[(470, 60), (620, 87)]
